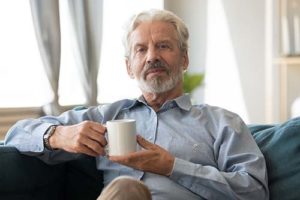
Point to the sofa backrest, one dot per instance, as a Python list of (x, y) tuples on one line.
[(280, 145)]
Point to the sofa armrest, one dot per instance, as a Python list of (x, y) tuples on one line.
[(25, 177)]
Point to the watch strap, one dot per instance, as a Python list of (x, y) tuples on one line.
[(50, 131)]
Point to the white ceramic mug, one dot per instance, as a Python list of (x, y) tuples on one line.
[(121, 136)]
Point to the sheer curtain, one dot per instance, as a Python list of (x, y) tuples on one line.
[(86, 23), (86, 29), (45, 16)]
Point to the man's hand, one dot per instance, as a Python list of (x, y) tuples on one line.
[(86, 137), (152, 158)]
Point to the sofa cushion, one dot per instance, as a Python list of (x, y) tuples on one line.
[(83, 180), (280, 145)]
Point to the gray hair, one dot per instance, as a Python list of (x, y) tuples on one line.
[(157, 15)]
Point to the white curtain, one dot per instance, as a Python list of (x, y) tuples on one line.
[(45, 14), (86, 27)]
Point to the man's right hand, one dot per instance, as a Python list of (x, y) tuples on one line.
[(86, 137)]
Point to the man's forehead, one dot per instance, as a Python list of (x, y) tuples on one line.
[(157, 30)]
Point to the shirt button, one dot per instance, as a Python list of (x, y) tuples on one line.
[(196, 147)]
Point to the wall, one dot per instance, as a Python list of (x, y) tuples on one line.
[(245, 23), (9, 116), (194, 14)]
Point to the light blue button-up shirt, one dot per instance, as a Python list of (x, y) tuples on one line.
[(215, 154)]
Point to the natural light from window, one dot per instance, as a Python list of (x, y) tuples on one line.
[(222, 84), (22, 79), (23, 82), (114, 83)]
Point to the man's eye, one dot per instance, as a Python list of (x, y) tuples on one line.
[(140, 50), (163, 46)]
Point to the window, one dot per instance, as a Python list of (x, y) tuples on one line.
[(114, 82), (22, 79), (23, 82)]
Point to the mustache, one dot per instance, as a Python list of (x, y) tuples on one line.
[(158, 64), (154, 65)]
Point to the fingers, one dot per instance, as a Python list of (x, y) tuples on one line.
[(94, 131), (100, 128), (86, 137), (91, 147), (134, 160), (93, 138), (89, 152), (130, 157), (154, 159), (145, 143)]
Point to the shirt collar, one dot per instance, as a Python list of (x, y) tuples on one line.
[(183, 102)]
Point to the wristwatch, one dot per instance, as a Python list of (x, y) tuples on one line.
[(47, 136)]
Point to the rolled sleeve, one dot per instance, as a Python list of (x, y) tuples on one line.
[(27, 138)]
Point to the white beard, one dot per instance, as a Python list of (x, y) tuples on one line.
[(157, 85)]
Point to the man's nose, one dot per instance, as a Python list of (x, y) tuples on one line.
[(152, 55)]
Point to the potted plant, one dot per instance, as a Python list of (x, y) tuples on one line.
[(191, 81)]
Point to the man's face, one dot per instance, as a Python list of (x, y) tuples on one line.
[(155, 59)]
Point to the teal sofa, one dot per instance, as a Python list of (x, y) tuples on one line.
[(23, 177)]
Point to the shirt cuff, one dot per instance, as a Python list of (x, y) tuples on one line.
[(180, 167), (36, 142)]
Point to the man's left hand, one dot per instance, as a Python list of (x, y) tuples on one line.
[(152, 158)]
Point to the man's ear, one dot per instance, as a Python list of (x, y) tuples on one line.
[(129, 70), (186, 61)]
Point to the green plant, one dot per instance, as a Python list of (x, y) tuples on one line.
[(191, 81)]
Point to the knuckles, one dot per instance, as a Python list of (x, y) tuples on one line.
[(77, 145)]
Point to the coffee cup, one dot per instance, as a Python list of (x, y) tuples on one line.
[(121, 137)]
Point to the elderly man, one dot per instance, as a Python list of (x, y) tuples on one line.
[(189, 151)]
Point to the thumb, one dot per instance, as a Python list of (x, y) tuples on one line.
[(144, 143)]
